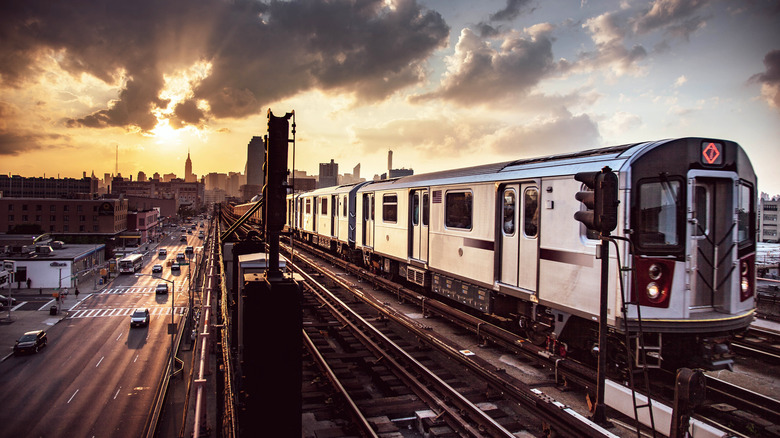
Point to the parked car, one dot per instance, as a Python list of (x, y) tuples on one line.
[(4, 300), (157, 269), (31, 342), (139, 318), (162, 288)]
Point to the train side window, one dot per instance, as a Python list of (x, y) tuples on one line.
[(531, 212), (416, 209), (308, 206), (509, 212), (389, 208), (658, 213), (344, 206), (324, 209), (426, 209), (744, 213), (458, 207)]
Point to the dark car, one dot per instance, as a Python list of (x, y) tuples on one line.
[(139, 318), (162, 288), (175, 267), (156, 269), (4, 300), (183, 239), (31, 342)]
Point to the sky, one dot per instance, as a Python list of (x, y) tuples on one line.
[(442, 83)]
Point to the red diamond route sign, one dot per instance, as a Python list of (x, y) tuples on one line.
[(711, 153)]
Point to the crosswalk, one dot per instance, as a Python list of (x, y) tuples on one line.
[(129, 290), (99, 313)]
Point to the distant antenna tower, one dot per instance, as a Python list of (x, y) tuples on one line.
[(116, 166)]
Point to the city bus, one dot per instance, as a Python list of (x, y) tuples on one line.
[(131, 263)]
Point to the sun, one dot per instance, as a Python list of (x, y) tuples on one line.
[(178, 87), (164, 133)]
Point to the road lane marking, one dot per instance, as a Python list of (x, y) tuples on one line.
[(117, 392), (120, 335), (46, 305), (136, 358), (71, 397), (101, 360)]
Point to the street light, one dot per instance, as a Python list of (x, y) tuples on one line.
[(172, 326)]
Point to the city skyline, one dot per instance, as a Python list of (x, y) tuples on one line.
[(445, 84)]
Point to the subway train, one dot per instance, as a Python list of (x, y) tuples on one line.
[(501, 240)]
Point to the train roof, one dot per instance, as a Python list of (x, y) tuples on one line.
[(565, 164)]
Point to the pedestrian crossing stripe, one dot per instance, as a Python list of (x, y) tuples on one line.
[(98, 313), (129, 290)]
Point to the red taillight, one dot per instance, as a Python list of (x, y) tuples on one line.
[(653, 281), (747, 277)]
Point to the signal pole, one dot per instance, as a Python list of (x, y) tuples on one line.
[(602, 202)]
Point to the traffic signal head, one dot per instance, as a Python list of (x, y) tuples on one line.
[(601, 200)]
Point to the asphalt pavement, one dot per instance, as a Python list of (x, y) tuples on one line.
[(32, 310)]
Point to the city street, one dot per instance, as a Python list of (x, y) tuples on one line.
[(97, 376)]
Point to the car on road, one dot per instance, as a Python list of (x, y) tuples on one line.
[(175, 267), (139, 318), (31, 342), (162, 288), (180, 257), (4, 300), (162, 253), (183, 239), (157, 269)]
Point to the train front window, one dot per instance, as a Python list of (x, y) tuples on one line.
[(658, 213), (743, 213)]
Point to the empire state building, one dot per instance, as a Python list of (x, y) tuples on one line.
[(188, 176)]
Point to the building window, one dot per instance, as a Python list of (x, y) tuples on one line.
[(25, 218), (458, 210), (390, 208), (24, 207), (51, 228), (65, 208), (52, 208), (82, 218), (94, 228), (82, 228), (38, 207), (770, 207), (66, 218), (37, 218), (65, 227), (10, 207), (53, 218), (10, 218), (94, 218)]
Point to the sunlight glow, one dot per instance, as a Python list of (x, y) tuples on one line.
[(178, 88)]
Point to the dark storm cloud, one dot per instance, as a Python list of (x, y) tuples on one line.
[(483, 74), (511, 11), (259, 52), (187, 113), (770, 79)]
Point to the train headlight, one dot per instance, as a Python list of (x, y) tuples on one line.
[(654, 272), (745, 284), (653, 291)]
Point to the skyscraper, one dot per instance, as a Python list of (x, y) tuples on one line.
[(254, 161), (188, 176)]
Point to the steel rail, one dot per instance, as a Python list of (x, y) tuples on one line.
[(347, 315)]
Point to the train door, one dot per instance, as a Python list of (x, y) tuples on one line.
[(711, 235), (419, 214), (315, 213), (334, 216), (519, 204), (368, 220)]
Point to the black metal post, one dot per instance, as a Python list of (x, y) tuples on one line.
[(600, 411)]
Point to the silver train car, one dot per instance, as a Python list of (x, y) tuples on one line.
[(501, 239)]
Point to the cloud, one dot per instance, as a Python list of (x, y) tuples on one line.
[(479, 73), (258, 52), (560, 132), (511, 11), (609, 33), (675, 16), (15, 140), (770, 79)]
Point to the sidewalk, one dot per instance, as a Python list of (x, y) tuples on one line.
[(22, 321)]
